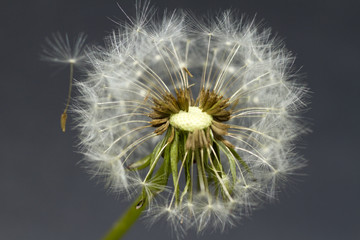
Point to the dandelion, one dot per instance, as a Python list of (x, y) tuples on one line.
[(196, 117)]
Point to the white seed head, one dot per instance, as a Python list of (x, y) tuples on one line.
[(210, 104)]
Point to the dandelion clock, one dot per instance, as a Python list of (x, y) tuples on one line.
[(192, 118)]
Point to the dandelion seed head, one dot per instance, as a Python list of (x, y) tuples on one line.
[(199, 117)]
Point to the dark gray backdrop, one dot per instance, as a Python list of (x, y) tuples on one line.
[(46, 195)]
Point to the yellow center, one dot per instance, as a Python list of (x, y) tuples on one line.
[(194, 119)]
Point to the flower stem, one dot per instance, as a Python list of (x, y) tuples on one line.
[(125, 221)]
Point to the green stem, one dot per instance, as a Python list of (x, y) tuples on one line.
[(125, 221)]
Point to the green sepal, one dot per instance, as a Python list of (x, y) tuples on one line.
[(141, 164), (201, 170), (230, 157), (182, 143), (174, 159), (216, 158), (217, 168), (155, 155), (188, 185), (161, 176), (242, 162), (210, 174)]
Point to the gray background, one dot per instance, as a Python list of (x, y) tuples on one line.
[(45, 194)]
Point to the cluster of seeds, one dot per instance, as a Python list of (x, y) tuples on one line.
[(199, 161)]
